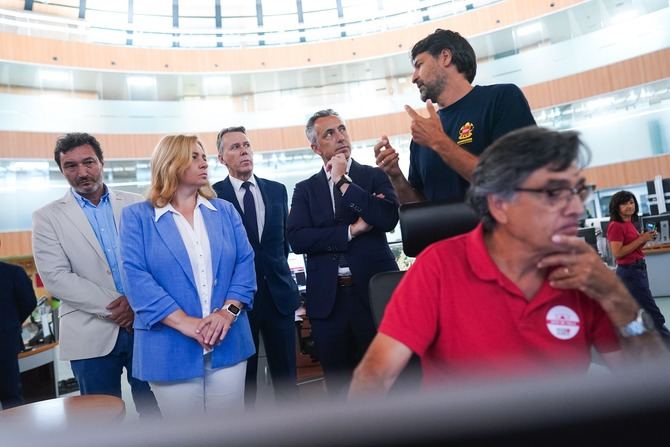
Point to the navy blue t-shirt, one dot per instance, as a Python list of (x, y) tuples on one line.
[(473, 122)]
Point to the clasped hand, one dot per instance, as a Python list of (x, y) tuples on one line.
[(209, 331)]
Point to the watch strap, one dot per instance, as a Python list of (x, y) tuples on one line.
[(344, 179)]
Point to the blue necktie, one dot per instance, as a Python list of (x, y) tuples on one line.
[(249, 218)]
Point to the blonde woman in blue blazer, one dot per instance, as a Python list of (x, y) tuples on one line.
[(188, 272)]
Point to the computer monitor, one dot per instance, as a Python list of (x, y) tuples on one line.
[(661, 223), (658, 191), (589, 235)]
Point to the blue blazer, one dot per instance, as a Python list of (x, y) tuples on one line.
[(313, 230), (158, 280), (271, 255)]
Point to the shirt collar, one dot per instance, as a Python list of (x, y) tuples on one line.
[(160, 211), (348, 168), (478, 256), (237, 183), (83, 201), (483, 266)]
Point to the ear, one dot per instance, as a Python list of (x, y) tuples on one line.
[(445, 57), (220, 157), (315, 148), (497, 208)]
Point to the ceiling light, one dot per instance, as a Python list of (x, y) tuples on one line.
[(141, 81), (529, 29), (217, 83), (54, 76)]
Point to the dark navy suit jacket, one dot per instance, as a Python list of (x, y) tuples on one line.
[(270, 257), (17, 301), (313, 230)]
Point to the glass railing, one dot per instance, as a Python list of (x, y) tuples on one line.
[(286, 28)]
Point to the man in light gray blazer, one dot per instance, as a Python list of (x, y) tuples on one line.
[(75, 244)]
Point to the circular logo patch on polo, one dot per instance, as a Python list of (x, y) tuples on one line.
[(562, 322)]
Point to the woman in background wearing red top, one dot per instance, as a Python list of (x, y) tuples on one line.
[(626, 244)]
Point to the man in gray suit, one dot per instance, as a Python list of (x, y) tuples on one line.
[(75, 244)]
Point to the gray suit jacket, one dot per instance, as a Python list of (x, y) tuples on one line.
[(74, 269)]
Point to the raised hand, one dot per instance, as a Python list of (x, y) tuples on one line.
[(387, 157), (337, 166), (425, 131)]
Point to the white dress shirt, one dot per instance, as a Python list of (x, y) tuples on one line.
[(258, 199), (341, 271), (197, 245)]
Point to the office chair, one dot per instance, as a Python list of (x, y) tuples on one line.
[(421, 224)]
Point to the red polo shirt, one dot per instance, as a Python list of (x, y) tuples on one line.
[(624, 232), (462, 315)]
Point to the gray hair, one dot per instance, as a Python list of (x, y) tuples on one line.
[(225, 130), (309, 128), (510, 160)]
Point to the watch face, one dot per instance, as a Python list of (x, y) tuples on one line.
[(233, 309)]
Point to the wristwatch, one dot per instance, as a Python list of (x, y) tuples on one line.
[(233, 310), (642, 324), (344, 179)]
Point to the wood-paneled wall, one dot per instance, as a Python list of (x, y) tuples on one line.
[(636, 71), (629, 73), (16, 244), (37, 50)]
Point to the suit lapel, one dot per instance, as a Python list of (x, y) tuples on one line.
[(323, 191), (228, 194), (263, 188), (168, 231), (117, 205), (214, 227), (73, 212)]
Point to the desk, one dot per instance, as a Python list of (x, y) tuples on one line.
[(38, 373), (64, 411), (658, 260)]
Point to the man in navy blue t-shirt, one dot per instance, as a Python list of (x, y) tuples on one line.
[(445, 146)]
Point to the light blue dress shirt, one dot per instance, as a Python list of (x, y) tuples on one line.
[(101, 218)]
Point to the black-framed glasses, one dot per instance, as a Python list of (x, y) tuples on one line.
[(562, 196)]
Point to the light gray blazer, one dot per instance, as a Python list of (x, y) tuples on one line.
[(74, 269)]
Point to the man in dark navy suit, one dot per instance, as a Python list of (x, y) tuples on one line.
[(17, 301), (339, 219), (263, 206)]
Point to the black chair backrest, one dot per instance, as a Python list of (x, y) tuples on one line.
[(424, 223), (381, 288)]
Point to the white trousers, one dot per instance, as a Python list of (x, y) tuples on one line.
[(220, 390)]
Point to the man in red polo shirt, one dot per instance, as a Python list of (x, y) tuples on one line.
[(520, 293)]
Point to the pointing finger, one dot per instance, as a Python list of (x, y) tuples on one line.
[(431, 109), (411, 112)]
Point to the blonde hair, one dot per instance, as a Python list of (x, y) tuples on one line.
[(170, 159)]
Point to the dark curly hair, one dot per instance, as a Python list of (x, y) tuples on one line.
[(73, 140), (462, 53), (619, 199)]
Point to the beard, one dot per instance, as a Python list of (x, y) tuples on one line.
[(432, 90)]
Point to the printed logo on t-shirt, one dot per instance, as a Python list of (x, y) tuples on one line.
[(465, 133), (562, 322)]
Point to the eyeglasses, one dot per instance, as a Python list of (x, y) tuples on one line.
[(561, 196)]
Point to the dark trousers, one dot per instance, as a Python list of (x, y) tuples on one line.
[(636, 281), (342, 338), (279, 339), (10, 378), (102, 375)]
